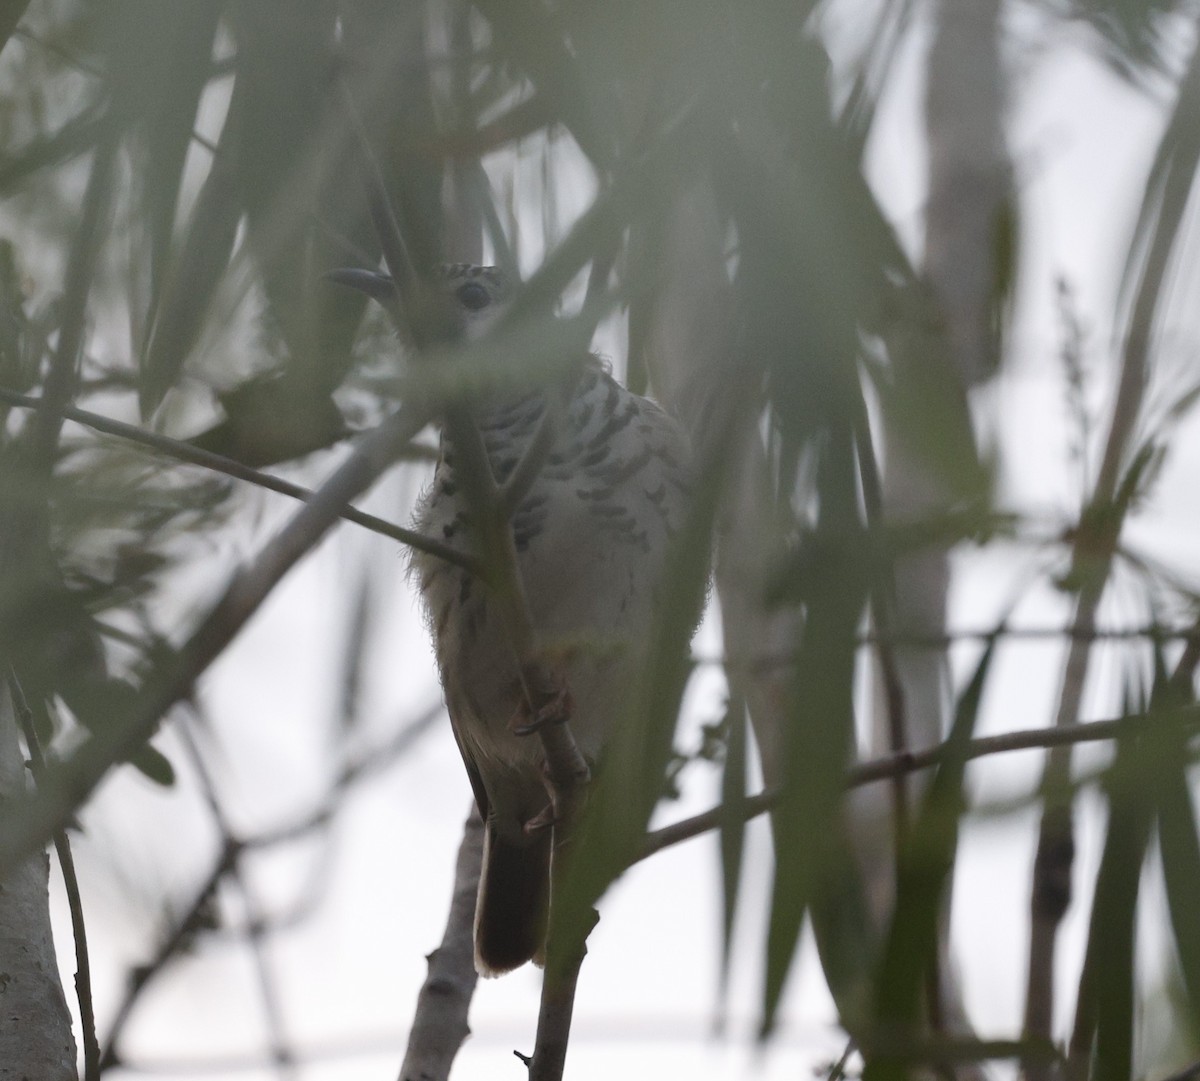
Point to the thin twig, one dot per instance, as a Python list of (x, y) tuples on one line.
[(66, 864), (143, 975), (870, 639), (256, 924), (911, 761), (218, 463)]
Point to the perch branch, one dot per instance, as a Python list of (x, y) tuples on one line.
[(440, 1020)]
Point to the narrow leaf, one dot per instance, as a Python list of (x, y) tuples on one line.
[(733, 826), (924, 869)]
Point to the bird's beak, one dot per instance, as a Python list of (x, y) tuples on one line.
[(379, 287)]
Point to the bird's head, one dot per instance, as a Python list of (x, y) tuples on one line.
[(475, 296)]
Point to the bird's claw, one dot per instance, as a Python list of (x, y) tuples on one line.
[(554, 706)]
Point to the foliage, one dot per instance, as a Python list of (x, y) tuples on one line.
[(193, 173)]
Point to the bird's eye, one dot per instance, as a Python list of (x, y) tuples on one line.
[(474, 296)]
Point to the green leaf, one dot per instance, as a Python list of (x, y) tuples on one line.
[(10, 14), (154, 765), (75, 137), (1181, 872), (196, 271), (180, 39), (923, 872), (1105, 1010), (733, 826), (535, 37), (809, 841)]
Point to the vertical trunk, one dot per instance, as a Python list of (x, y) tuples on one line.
[(35, 1025)]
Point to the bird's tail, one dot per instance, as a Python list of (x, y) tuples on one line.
[(513, 902)]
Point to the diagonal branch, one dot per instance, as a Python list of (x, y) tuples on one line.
[(230, 467)]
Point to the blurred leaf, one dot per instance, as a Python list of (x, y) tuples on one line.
[(159, 59), (1179, 845), (155, 765), (535, 37), (73, 138), (733, 826), (281, 95), (393, 92), (1104, 1017), (1135, 35), (1167, 190), (848, 942), (273, 419), (199, 264), (10, 14), (873, 70), (922, 396), (924, 868), (1181, 872), (820, 732)]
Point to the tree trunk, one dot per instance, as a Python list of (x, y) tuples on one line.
[(35, 1025)]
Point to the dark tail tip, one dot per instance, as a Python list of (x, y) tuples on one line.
[(511, 910)]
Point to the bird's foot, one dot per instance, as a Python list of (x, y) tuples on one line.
[(545, 819), (551, 704)]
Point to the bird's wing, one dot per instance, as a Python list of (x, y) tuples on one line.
[(481, 798)]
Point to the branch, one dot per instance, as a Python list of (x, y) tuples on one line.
[(440, 1021), (230, 467), (31, 822), (895, 765), (66, 865)]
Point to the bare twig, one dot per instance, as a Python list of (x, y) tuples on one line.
[(218, 463), (911, 761), (66, 864), (71, 782), (172, 943), (440, 1020), (256, 924), (177, 937)]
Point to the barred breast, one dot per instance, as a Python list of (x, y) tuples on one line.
[(592, 537)]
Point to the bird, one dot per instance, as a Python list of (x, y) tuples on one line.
[(592, 536)]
